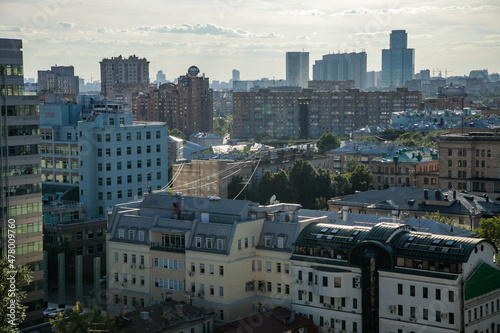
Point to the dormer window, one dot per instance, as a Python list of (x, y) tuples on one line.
[(281, 242), (220, 244), (121, 233), (141, 236), (198, 242), (267, 241), (209, 243), (131, 234)]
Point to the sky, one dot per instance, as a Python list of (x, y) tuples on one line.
[(252, 36)]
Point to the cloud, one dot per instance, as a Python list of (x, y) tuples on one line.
[(411, 10), (195, 29), (67, 24), (303, 37), (15, 29), (302, 12)]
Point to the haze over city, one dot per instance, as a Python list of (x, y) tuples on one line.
[(251, 36)]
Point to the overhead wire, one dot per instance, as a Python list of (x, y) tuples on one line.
[(249, 179)]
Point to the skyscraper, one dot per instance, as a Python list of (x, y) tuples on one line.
[(398, 62), (236, 75), (342, 66), (297, 69), (21, 198)]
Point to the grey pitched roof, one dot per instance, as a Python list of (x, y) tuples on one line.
[(412, 199), (366, 148), (194, 204), (289, 231)]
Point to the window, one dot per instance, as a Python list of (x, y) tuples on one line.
[(118, 137), (425, 314), (212, 290), (281, 242), (451, 296), (158, 148), (269, 287), (198, 242), (451, 317), (287, 289), (124, 258), (278, 288), (202, 268), (121, 233), (116, 256), (221, 291), (139, 164), (400, 289), (220, 244), (246, 242), (259, 265), (412, 290), (337, 282), (438, 294), (99, 138), (129, 164), (412, 312), (438, 316), (425, 292), (239, 244), (400, 310), (354, 303), (139, 150), (141, 235), (118, 165), (209, 242), (267, 241), (129, 179), (268, 266), (221, 270), (278, 267), (138, 135), (211, 269), (118, 151), (253, 241), (325, 281)]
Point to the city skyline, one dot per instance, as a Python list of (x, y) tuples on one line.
[(252, 37)]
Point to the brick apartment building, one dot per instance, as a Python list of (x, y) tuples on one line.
[(310, 113)]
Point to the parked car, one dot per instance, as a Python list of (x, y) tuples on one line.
[(55, 313), (47, 311)]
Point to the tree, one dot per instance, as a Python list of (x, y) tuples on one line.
[(177, 133), (235, 187), (341, 185), (351, 164), (490, 229), (321, 204), (77, 321), (361, 179), (220, 127), (11, 279), (303, 181), (276, 184), (327, 141), (410, 140)]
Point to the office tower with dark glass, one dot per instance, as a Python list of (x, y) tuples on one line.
[(342, 66), (297, 69), (398, 62), (21, 198)]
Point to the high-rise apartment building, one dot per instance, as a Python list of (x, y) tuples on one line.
[(187, 105), (297, 69), (59, 80), (398, 62), (342, 66), (119, 72), (310, 113), (21, 198)]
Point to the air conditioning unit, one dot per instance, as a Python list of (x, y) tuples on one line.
[(124, 284), (357, 279), (262, 290), (339, 308), (191, 273), (325, 305), (141, 266), (132, 266), (444, 315), (298, 281), (304, 292), (331, 306), (327, 323), (413, 320), (310, 283), (306, 303), (357, 285), (337, 321), (392, 308)]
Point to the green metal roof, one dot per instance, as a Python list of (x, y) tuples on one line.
[(484, 280)]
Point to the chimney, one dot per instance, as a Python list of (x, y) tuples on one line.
[(454, 194), (345, 212), (178, 310), (426, 194)]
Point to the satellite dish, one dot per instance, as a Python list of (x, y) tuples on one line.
[(273, 199)]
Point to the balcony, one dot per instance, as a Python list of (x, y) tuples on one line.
[(167, 248)]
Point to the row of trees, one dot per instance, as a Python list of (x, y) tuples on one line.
[(305, 185)]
